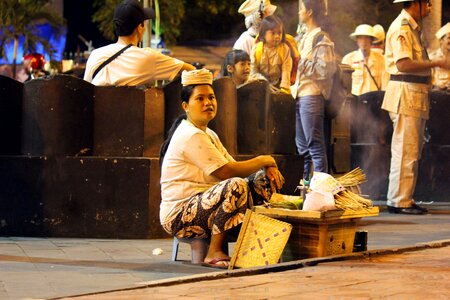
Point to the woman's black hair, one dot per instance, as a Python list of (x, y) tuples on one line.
[(186, 93), (319, 11), (232, 58), (165, 144), (270, 23)]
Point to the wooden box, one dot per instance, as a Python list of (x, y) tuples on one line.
[(317, 234)]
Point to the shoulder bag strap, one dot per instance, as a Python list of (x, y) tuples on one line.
[(373, 78), (110, 60)]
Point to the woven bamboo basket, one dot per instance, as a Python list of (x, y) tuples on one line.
[(261, 241)]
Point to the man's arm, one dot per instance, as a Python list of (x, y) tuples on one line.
[(187, 67), (407, 65)]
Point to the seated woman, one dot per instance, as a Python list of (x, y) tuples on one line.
[(204, 191)]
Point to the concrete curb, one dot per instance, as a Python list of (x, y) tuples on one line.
[(274, 268)]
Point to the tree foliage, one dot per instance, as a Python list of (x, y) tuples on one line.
[(103, 16), (197, 15), (192, 20), (18, 18), (172, 12)]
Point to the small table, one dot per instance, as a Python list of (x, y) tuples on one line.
[(317, 234)]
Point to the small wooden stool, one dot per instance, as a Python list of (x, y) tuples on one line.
[(199, 248)]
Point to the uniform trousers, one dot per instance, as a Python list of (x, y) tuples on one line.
[(406, 149)]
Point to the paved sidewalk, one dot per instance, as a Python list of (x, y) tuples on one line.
[(421, 274), (51, 267)]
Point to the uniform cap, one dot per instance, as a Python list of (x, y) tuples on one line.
[(378, 31), (201, 76), (250, 6), (128, 15), (443, 31), (363, 30)]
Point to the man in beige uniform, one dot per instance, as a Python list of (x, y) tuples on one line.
[(441, 77), (406, 100), (369, 71)]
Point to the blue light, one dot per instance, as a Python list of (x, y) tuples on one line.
[(45, 31)]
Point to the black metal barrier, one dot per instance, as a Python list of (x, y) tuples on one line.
[(266, 122), (438, 124), (51, 185), (369, 123), (57, 116), (11, 94), (225, 122), (128, 121), (172, 103)]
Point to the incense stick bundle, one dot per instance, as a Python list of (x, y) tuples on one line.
[(347, 200), (352, 178)]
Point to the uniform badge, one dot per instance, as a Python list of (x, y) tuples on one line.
[(401, 39)]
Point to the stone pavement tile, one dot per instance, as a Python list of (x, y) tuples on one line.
[(10, 248), (86, 252), (33, 243), (91, 283), (37, 289)]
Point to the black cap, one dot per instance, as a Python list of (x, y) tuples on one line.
[(128, 15)]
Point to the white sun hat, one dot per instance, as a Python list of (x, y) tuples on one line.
[(250, 6), (363, 30), (379, 33)]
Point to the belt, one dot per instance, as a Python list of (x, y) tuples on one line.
[(411, 78)]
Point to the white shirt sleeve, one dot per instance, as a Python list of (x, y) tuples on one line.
[(166, 67), (201, 151)]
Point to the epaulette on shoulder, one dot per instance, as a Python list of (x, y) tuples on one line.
[(405, 22)]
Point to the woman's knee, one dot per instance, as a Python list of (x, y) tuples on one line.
[(237, 190), (238, 182)]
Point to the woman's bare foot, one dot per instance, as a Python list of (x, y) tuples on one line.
[(216, 254), (217, 258)]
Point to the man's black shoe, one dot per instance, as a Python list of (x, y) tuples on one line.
[(412, 210)]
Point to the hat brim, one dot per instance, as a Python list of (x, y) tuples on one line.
[(354, 35), (149, 13)]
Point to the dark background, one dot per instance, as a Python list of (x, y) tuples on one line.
[(78, 15)]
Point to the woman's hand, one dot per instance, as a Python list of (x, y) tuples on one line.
[(275, 177)]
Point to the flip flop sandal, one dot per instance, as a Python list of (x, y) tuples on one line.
[(215, 263)]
